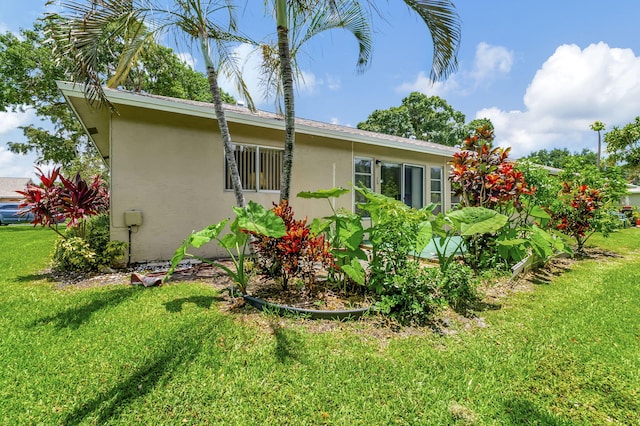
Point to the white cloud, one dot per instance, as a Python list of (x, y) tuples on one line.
[(307, 83), (489, 62), (14, 165), (333, 83), (424, 84), (188, 59), (10, 121), (572, 89), (248, 60)]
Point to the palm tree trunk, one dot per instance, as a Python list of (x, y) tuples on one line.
[(287, 88), (212, 76)]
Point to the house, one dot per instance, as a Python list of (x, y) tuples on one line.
[(632, 198), (168, 174), (9, 186)]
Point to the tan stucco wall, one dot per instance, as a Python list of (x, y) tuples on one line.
[(170, 167)]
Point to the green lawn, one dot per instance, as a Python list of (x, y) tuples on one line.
[(567, 353)]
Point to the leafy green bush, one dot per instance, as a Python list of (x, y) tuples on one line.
[(458, 286), (96, 250), (73, 254), (411, 297), (83, 205)]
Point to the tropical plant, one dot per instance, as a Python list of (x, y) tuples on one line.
[(297, 253), (83, 207), (345, 233), (483, 177), (80, 30), (58, 199), (398, 235), (469, 223), (252, 220), (439, 16)]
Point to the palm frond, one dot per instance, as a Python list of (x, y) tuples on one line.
[(347, 15), (443, 22)]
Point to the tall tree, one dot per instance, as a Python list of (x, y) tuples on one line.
[(420, 116), (598, 126), (440, 17), (28, 73), (83, 26), (298, 22), (479, 123), (560, 157), (623, 145)]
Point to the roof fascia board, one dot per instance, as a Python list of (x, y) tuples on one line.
[(141, 101)]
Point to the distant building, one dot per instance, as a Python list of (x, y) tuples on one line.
[(9, 186)]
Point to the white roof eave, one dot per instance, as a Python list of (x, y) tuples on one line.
[(206, 111)]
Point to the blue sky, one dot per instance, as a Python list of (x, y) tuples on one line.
[(542, 71)]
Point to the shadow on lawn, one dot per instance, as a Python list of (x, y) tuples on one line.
[(288, 344), (29, 278), (180, 348), (204, 302), (75, 316), (523, 412)]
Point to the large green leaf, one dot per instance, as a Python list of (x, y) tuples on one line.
[(202, 237), (355, 271), (424, 236), (255, 218), (539, 213), (323, 193), (477, 220)]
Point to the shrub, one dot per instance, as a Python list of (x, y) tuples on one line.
[(297, 254), (411, 297), (83, 205), (344, 231), (458, 286), (580, 212), (73, 254)]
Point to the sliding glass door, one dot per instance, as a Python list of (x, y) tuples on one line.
[(403, 182)]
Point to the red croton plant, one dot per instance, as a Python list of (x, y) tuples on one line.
[(483, 177), (578, 212), (297, 254), (71, 200)]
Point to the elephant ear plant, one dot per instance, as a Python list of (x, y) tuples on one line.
[(254, 219), (345, 233), (468, 222)]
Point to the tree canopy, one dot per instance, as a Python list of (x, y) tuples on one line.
[(420, 116), (28, 74), (559, 158), (623, 146)]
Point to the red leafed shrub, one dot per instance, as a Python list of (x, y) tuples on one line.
[(578, 212), (297, 254), (57, 199), (483, 176)]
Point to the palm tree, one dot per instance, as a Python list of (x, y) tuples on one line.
[(441, 18), (297, 23), (598, 126), (78, 34)]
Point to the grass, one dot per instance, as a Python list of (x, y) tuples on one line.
[(564, 354)]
